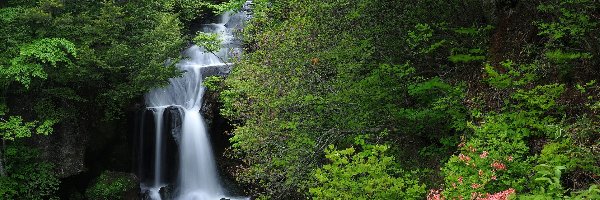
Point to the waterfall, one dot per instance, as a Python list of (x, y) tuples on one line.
[(197, 178)]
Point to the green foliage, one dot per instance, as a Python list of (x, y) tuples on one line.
[(189, 10), (318, 73), (368, 174), (77, 62), (565, 153), (110, 185), (550, 178), (486, 165), (456, 58), (593, 192), (559, 56), (210, 41), (574, 19), (15, 128), (27, 177), (540, 98), (213, 82), (496, 157), (548, 186), (420, 39), (228, 6), (33, 58), (515, 76), (103, 53), (569, 28)]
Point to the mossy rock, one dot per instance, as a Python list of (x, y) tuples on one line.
[(114, 185)]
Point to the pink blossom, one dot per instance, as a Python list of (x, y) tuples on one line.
[(435, 195), (499, 196), (460, 179), (480, 172), (498, 165), (484, 154), (474, 195), (493, 177), (464, 158), (509, 158), (475, 185)]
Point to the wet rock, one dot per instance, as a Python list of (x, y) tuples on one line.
[(215, 70), (65, 148), (167, 192)]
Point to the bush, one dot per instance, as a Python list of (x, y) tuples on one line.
[(111, 185), (27, 178), (368, 174)]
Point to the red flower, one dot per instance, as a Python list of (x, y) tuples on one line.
[(498, 165), (464, 158), (484, 154), (475, 185), (475, 195), (435, 195), (460, 179), (499, 196)]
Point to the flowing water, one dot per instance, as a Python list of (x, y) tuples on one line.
[(198, 177)]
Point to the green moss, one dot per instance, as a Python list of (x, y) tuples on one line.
[(111, 185)]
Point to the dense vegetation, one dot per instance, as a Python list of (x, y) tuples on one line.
[(474, 99), (333, 99)]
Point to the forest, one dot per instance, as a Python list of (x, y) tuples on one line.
[(326, 99)]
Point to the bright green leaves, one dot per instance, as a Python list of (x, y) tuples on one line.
[(27, 177), (590, 90), (465, 58), (539, 98), (514, 75), (213, 82), (210, 41), (574, 19), (421, 39), (367, 174), (35, 57), (231, 5), (469, 53), (496, 156), (49, 50), (570, 28), (558, 56), (14, 128), (547, 183)]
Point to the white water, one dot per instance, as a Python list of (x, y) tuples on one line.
[(158, 117), (198, 178)]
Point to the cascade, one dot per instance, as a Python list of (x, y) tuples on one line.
[(197, 177)]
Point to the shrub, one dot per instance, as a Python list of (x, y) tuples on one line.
[(368, 174), (27, 178), (111, 185)]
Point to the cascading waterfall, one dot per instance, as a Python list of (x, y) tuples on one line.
[(197, 179)]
